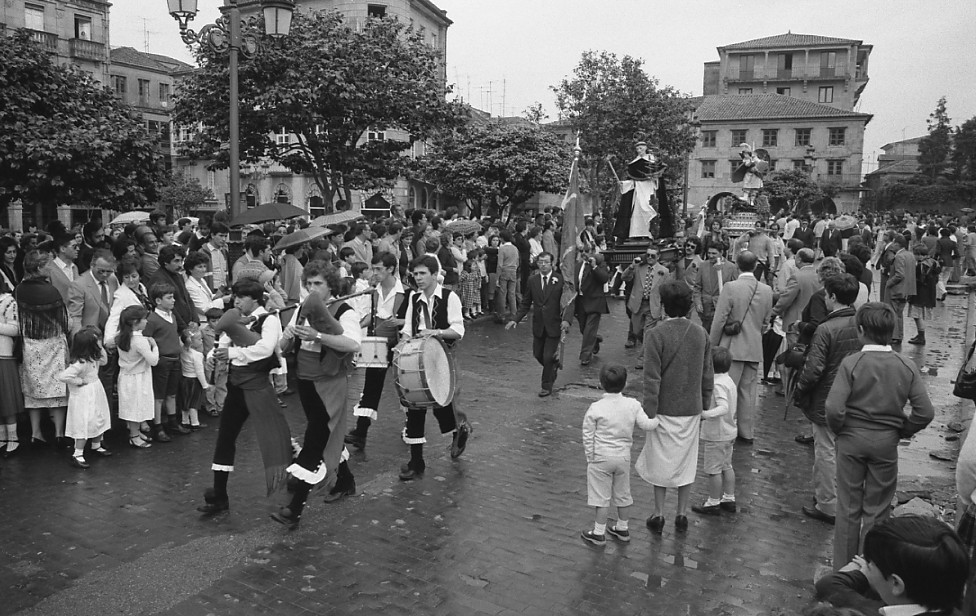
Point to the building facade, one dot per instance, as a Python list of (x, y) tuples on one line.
[(74, 31), (818, 69), (898, 162)]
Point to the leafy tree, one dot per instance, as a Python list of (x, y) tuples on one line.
[(535, 113), (66, 140), (791, 188), (327, 84), (501, 162), (934, 148), (964, 151), (612, 103), (181, 194)]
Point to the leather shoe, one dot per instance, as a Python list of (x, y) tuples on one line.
[(816, 514), (584, 362), (681, 523), (656, 524), (743, 440), (338, 493), (285, 517), (79, 462), (409, 473), (727, 506), (803, 439), (354, 439), (460, 441), (707, 509), (545, 392), (214, 504), (630, 344)]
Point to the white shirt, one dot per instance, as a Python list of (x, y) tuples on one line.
[(455, 318), (385, 305), (166, 316), (202, 297), (350, 329), (263, 348), (790, 228), (219, 266), (67, 268)]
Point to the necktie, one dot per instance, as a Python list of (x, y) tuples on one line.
[(105, 298), (426, 314), (648, 281), (718, 274)]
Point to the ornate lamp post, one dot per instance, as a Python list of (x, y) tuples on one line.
[(225, 36)]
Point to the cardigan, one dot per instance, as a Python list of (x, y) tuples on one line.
[(677, 366)]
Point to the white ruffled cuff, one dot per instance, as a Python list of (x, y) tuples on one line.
[(344, 456), (362, 411), (413, 441), (222, 467), (300, 472)]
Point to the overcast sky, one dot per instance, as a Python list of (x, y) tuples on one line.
[(504, 54)]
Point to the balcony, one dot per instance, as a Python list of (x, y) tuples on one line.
[(45, 39), (87, 50)]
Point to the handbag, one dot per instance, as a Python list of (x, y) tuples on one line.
[(795, 356), (965, 386), (735, 328)]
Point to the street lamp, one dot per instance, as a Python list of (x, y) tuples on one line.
[(225, 36)]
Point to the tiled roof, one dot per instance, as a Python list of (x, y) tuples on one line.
[(766, 106), (899, 166), (790, 39), (151, 61)]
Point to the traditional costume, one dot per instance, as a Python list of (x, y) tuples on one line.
[(643, 189)]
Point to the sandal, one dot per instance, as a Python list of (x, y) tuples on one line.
[(139, 441)]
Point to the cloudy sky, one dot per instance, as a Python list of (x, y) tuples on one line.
[(503, 55)]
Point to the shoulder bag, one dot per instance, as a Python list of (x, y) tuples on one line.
[(965, 385), (735, 328)]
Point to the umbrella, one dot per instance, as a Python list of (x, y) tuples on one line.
[(301, 236), (335, 219), (966, 210), (844, 222), (464, 227), (266, 212), (126, 218)]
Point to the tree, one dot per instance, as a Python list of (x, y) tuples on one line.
[(66, 140), (612, 103), (181, 194), (505, 163), (964, 151), (535, 113), (934, 148), (792, 188), (326, 84)]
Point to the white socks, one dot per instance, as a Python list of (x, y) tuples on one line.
[(727, 498), (599, 529), (622, 525)]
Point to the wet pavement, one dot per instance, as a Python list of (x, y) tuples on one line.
[(495, 532)]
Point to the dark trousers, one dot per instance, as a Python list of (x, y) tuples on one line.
[(760, 272), (108, 375), (324, 402), (589, 325), (373, 389), (416, 418), (232, 419), (544, 349)]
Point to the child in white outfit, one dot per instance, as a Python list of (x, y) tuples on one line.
[(608, 436), (718, 432), (88, 413), (194, 384), (137, 355)]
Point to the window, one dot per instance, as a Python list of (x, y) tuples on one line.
[(708, 138), (835, 167), (772, 165), (738, 136), (708, 168), (746, 66), (837, 136), (745, 90), (119, 85), (375, 135), (164, 92), (826, 94), (828, 59), (783, 91), (282, 137), (183, 134), (377, 11), (734, 164), (83, 28), (34, 17), (769, 137), (803, 136), (143, 91), (211, 179), (786, 61), (799, 163)]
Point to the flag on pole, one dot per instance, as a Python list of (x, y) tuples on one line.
[(569, 246)]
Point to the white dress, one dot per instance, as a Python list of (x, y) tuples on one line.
[(669, 458), (88, 413), (135, 380)]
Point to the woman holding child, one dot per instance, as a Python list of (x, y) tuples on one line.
[(677, 361)]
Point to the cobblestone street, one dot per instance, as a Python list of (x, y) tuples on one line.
[(495, 532)]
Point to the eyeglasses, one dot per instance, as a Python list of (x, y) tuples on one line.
[(651, 256)]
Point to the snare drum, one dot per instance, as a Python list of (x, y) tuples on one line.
[(425, 373), (372, 353)]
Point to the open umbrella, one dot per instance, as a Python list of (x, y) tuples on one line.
[(967, 210), (335, 219), (266, 212), (464, 227), (844, 222), (301, 236), (127, 217)]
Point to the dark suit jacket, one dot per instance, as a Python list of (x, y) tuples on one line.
[(805, 236), (543, 303), (591, 295), (830, 242)]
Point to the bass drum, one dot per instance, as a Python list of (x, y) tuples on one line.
[(425, 373)]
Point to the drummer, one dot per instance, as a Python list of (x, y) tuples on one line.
[(434, 311), (388, 299)]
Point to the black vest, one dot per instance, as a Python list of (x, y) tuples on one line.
[(330, 361), (439, 309)]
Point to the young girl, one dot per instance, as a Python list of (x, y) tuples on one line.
[(194, 382), (470, 282), (88, 413), (137, 355)]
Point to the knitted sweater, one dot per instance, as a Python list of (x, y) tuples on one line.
[(165, 334), (677, 369)]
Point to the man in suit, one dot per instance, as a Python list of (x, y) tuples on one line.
[(644, 302), (799, 289), (715, 272), (591, 301), (750, 303), (541, 298), (831, 240), (61, 270), (805, 235), (900, 284)]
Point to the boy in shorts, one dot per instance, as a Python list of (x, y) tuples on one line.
[(608, 436), (163, 326), (718, 433)]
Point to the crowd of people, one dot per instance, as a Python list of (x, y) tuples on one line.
[(154, 328)]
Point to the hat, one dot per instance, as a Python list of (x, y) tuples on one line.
[(745, 146)]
